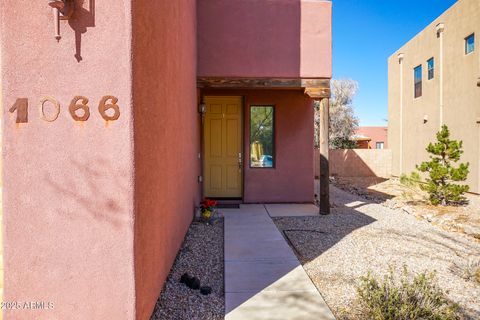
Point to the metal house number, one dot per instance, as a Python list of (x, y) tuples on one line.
[(79, 109)]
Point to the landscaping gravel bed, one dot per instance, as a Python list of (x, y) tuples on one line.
[(201, 256), (395, 195), (361, 236)]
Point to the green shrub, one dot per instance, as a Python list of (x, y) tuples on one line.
[(340, 143), (410, 181), (404, 297), (443, 154)]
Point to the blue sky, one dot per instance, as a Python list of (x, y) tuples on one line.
[(365, 34)]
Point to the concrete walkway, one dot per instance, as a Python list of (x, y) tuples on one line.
[(263, 277)]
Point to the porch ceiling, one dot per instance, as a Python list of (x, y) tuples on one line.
[(314, 88)]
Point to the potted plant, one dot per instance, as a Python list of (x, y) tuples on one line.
[(208, 208)]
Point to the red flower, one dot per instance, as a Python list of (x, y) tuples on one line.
[(208, 204)]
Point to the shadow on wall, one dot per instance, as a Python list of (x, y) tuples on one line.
[(87, 189), (83, 18)]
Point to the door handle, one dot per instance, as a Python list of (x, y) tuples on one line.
[(240, 161)]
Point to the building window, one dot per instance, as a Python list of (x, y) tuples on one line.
[(418, 81), (431, 68), (470, 44), (379, 145), (262, 136)]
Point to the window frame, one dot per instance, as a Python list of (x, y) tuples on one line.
[(274, 135), (377, 143), (466, 44), (419, 82), (432, 70)]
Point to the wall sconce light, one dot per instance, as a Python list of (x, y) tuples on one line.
[(425, 119), (202, 108), (62, 10)]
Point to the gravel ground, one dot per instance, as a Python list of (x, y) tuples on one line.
[(201, 256), (391, 193), (361, 235)]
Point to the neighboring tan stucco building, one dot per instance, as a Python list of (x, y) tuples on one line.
[(450, 94), (113, 125)]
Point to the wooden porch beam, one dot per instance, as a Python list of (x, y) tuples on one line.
[(315, 88), (317, 93)]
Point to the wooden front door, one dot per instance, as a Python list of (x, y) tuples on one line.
[(223, 154)]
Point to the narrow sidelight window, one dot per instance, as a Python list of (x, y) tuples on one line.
[(470, 44), (417, 72), (262, 136), (431, 68)]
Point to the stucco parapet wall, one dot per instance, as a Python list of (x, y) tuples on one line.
[(314, 88), (264, 39), (438, 25)]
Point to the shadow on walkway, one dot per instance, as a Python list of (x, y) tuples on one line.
[(263, 277)]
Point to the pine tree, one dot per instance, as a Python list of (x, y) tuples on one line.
[(443, 154)]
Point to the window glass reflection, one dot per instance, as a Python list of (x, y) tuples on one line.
[(261, 136)]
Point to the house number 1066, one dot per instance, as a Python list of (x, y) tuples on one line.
[(79, 109)]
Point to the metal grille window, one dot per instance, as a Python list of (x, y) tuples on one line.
[(431, 68), (417, 73), (470, 44)]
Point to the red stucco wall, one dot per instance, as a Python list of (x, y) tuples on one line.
[(292, 178), (268, 38), (95, 212), (377, 134), (68, 187), (167, 140)]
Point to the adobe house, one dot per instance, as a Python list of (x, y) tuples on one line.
[(434, 79), (119, 116), (371, 137)]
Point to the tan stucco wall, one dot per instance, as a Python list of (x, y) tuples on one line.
[(357, 163), (461, 94)]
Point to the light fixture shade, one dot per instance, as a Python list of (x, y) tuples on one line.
[(62, 10), (202, 108)]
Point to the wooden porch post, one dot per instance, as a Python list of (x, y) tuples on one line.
[(321, 92), (324, 164)]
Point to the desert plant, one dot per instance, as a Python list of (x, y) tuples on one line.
[(468, 270), (411, 180), (404, 297), (443, 154)]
